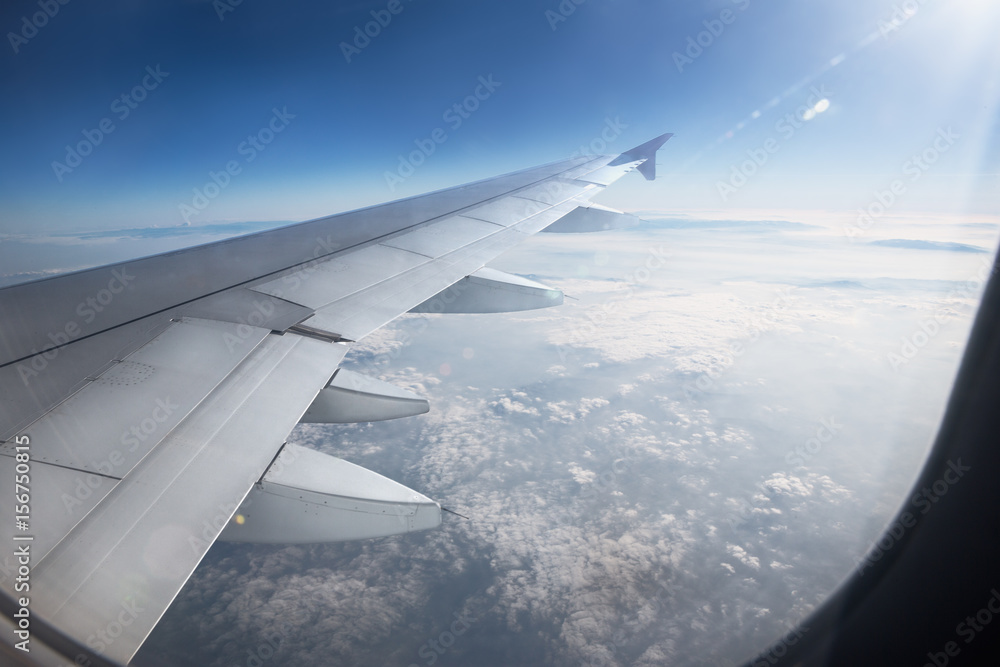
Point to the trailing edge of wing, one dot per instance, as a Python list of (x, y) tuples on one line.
[(162, 504), (132, 553)]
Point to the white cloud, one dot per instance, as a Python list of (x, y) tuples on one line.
[(740, 554), (599, 492)]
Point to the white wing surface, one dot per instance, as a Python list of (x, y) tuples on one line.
[(145, 406)]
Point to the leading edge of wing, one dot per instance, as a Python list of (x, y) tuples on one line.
[(78, 576)]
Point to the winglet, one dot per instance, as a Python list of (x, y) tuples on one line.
[(646, 152)]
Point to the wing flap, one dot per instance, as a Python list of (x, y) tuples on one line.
[(121, 566), (91, 440), (31, 387), (284, 294)]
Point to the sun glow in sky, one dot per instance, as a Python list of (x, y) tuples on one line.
[(845, 154), (119, 116)]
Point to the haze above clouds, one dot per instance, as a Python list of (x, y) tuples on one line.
[(639, 494)]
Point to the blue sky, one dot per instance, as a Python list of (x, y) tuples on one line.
[(625, 70), (562, 78)]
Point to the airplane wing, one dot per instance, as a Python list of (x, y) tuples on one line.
[(145, 406)]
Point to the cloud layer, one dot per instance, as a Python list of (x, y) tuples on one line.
[(648, 482)]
